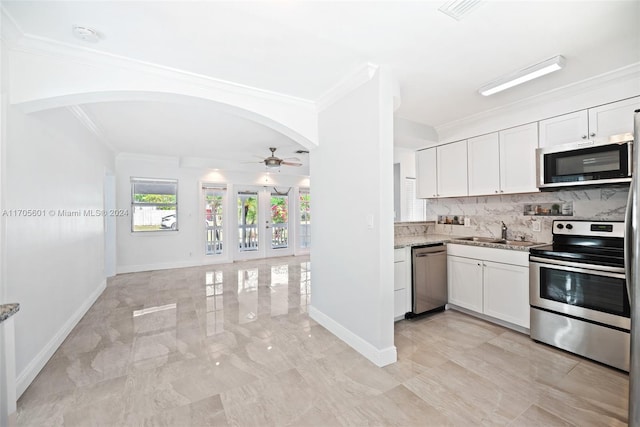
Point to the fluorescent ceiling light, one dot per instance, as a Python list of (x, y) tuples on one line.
[(549, 66)]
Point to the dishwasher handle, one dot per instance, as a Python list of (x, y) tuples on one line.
[(426, 254)]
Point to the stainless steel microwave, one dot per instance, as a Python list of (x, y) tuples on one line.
[(584, 163)]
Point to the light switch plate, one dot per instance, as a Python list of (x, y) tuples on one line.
[(369, 221)]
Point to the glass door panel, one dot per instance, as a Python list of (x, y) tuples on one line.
[(279, 221), (214, 202), (305, 219), (248, 215)]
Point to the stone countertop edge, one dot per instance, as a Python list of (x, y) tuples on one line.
[(435, 239), (8, 310)]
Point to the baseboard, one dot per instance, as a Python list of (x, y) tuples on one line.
[(29, 373), (380, 357)]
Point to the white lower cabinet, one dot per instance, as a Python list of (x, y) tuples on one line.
[(465, 282), (506, 292), (401, 282), (494, 282)]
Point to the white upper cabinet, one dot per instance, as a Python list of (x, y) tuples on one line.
[(452, 169), (517, 159), (612, 119), (564, 129), (596, 124), (503, 162), (484, 164), (426, 174), (442, 171)]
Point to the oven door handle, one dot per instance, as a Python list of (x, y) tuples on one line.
[(599, 270)]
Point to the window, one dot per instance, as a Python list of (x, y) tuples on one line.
[(305, 219), (154, 203), (415, 209)]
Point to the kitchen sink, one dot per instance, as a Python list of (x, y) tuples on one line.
[(480, 239), (516, 242), (494, 240)]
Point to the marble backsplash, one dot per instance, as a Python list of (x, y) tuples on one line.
[(404, 229), (487, 212)]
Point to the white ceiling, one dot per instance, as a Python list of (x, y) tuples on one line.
[(181, 130), (304, 48)]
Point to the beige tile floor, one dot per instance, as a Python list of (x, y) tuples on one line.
[(233, 345)]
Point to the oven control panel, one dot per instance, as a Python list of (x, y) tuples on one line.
[(589, 228)]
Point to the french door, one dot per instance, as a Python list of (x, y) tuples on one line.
[(263, 223)]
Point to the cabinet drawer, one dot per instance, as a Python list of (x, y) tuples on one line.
[(399, 254), (506, 256)]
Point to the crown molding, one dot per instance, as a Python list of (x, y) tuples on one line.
[(83, 117), (19, 41), (628, 72), (347, 84)]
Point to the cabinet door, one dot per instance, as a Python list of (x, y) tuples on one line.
[(399, 307), (464, 277), (517, 159), (563, 129), (426, 174), (452, 169), (483, 157), (506, 292), (612, 119)]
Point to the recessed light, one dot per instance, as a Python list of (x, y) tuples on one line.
[(85, 33)]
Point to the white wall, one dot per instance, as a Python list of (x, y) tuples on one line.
[(54, 264), (185, 247), (352, 264)]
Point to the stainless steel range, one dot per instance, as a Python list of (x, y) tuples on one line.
[(578, 293)]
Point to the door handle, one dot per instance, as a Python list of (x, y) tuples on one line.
[(427, 254)]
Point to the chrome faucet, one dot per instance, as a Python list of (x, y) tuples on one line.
[(504, 231)]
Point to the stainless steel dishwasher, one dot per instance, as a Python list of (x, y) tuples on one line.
[(429, 264)]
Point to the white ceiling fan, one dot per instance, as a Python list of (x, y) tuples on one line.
[(275, 162)]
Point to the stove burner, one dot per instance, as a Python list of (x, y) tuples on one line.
[(599, 243)]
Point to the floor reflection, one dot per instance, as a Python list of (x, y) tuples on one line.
[(248, 295), (175, 347), (214, 290)]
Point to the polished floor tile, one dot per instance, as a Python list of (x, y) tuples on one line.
[(233, 345)]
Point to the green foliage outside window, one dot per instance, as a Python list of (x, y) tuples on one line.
[(279, 213)]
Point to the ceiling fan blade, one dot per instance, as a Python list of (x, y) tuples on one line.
[(292, 159), (291, 163)]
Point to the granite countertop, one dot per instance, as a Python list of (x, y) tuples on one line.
[(426, 239), (8, 310), (404, 241)]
